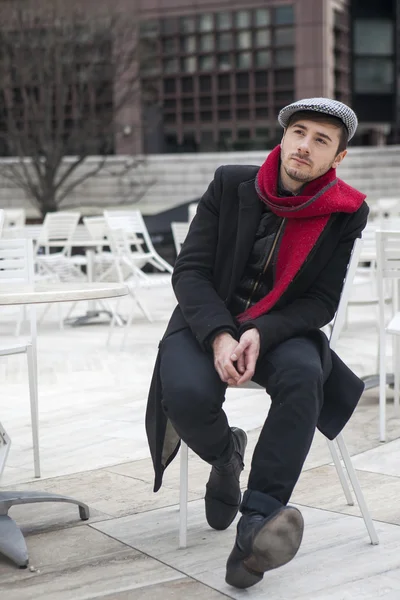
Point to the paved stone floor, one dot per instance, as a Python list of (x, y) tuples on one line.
[(93, 447)]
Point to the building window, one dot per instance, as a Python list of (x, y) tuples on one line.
[(169, 46), (243, 40), (206, 22), (187, 102), (284, 57), (188, 44), (243, 60), (224, 62), (224, 100), (169, 86), (206, 42), (284, 15), (224, 82), (189, 64), (206, 116), (170, 118), (261, 98), (242, 99), (188, 25), (263, 58), (284, 36), (169, 26), (206, 63), (373, 75), (374, 56), (242, 19), (224, 115), (205, 101), (224, 20), (171, 65), (205, 83), (224, 41), (242, 81), (261, 79), (187, 85), (284, 78), (262, 37), (262, 17), (170, 103), (188, 117)]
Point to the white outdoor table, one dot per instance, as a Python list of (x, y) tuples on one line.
[(12, 542)]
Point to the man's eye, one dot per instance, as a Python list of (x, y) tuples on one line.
[(321, 140)]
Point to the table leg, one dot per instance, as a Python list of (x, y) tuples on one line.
[(12, 542)]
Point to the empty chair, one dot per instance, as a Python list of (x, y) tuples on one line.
[(179, 233), (14, 217), (388, 269), (16, 266)]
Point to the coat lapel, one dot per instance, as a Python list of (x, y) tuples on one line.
[(248, 220)]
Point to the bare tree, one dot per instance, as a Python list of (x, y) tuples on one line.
[(65, 79)]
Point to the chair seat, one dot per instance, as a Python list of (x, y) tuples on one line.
[(150, 281), (393, 326), (15, 348)]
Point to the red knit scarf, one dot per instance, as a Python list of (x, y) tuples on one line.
[(306, 217)]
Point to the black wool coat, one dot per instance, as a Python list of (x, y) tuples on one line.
[(209, 268)]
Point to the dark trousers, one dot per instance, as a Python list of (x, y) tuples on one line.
[(193, 395)]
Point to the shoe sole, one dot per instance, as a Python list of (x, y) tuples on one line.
[(275, 544)]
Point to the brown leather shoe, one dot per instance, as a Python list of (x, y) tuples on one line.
[(223, 495)]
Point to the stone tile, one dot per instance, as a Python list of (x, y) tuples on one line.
[(321, 488), (180, 589), (107, 494), (338, 544), (383, 459)]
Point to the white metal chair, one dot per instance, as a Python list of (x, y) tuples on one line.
[(336, 329), (16, 266), (131, 221), (388, 269), (14, 217), (179, 233), (128, 270)]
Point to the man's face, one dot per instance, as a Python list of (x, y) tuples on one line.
[(308, 150)]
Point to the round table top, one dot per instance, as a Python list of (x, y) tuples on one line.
[(39, 292)]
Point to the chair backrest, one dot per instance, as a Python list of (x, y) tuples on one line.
[(340, 316), (96, 226), (192, 209), (16, 261), (58, 227), (14, 217), (131, 221), (179, 233)]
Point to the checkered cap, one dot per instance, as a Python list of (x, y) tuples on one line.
[(322, 105)]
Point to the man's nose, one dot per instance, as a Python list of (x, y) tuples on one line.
[(304, 146)]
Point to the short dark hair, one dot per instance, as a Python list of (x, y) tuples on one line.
[(312, 115)]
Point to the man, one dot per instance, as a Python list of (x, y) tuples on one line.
[(261, 271)]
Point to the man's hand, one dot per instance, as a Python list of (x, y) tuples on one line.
[(245, 355), (223, 346)]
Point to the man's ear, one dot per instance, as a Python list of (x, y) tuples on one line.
[(283, 135), (339, 159)]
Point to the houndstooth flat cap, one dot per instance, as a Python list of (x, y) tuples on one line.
[(322, 105)]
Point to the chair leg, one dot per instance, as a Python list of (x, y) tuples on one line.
[(183, 496), (340, 472), (33, 393), (396, 374), (382, 386), (357, 490)]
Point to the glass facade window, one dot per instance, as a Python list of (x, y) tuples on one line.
[(187, 102), (242, 19), (189, 64), (284, 78), (205, 83), (170, 118), (373, 75), (373, 37), (169, 46), (206, 22), (207, 42), (261, 79), (169, 26), (262, 58), (284, 15), (262, 37), (205, 116), (206, 63), (205, 101), (284, 36), (188, 117), (224, 115), (224, 82), (171, 65), (170, 103), (223, 20), (169, 86), (224, 41), (187, 84), (243, 40), (188, 44), (242, 99), (224, 62), (242, 81), (284, 57), (243, 60), (262, 17), (224, 100), (188, 25)]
